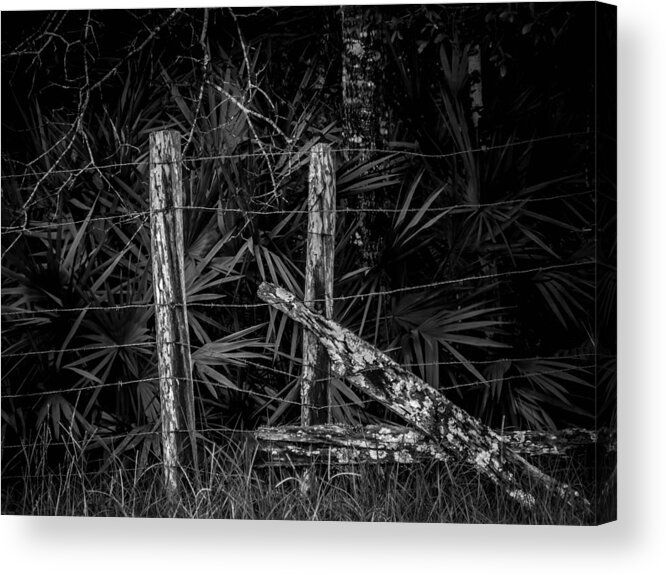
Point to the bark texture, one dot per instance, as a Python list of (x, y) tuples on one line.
[(361, 75), (475, 84), (172, 334), (365, 114), (376, 374), (315, 396), (394, 443)]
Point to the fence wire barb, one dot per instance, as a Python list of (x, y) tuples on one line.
[(286, 152), (54, 225), (514, 377), (292, 376), (453, 209), (84, 348), (101, 438), (601, 436), (455, 281), (337, 298)]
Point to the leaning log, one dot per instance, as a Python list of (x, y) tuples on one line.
[(343, 444), (402, 392)]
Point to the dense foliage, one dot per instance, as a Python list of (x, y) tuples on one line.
[(495, 220)]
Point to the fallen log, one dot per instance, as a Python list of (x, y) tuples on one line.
[(376, 374), (342, 444), (561, 442)]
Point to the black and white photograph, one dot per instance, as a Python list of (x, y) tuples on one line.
[(326, 263)]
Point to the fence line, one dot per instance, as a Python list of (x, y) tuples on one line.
[(247, 363), (95, 437), (157, 377), (456, 208), (134, 434), (131, 306), (461, 280), (286, 152), (128, 217), (86, 348), (337, 298), (514, 377), (272, 369), (453, 209)]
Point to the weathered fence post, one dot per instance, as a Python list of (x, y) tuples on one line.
[(315, 388), (173, 342)]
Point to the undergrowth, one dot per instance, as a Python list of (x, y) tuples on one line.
[(236, 483)]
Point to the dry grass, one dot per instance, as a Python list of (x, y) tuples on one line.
[(235, 485)]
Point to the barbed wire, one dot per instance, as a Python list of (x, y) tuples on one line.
[(455, 281), (505, 359), (95, 439), (302, 153), (50, 392), (319, 300), (127, 217), (514, 377), (452, 209), (121, 307), (85, 348), (293, 376), (54, 225)]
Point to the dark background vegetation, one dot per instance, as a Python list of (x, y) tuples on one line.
[(529, 344)]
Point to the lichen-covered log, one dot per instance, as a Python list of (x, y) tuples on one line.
[(560, 442), (172, 334), (343, 444), (419, 404), (395, 443), (318, 290)]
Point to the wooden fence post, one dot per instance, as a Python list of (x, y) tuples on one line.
[(315, 388), (173, 342)]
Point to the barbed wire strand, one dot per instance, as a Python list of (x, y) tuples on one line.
[(247, 363), (121, 307), (456, 281), (286, 152), (84, 348), (102, 438), (54, 225), (95, 440), (453, 209), (441, 283)]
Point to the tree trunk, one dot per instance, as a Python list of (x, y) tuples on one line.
[(475, 85), (172, 332), (365, 122), (425, 408)]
